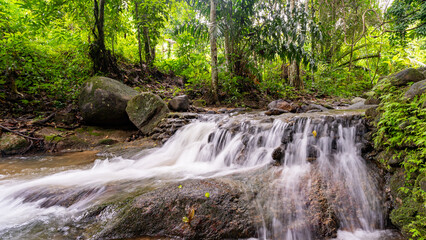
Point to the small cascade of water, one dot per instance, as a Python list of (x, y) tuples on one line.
[(320, 184), (323, 173)]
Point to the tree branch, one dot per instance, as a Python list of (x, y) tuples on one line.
[(20, 134), (360, 58)]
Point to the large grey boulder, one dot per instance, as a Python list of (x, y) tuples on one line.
[(225, 214), (146, 110), (103, 102), (406, 76), (179, 104), (422, 70), (416, 89)]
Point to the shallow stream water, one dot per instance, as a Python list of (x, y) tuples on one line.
[(42, 195)]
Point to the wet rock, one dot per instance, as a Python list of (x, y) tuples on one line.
[(179, 104), (334, 144), (260, 141), (312, 152), (245, 139), (103, 102), (237, 110), (225, 214), (357, 99), (11, 143), (316, 107), (182, 115), (278, 155), (372, 101), (210, 138), (56, 197), (406, 76), (416, 89), (146, 111), (275, 111), (360, 105), (287, 136), (281, 104)]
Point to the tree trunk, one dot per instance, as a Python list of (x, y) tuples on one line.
[(313, 41), (139, 35), (294, 77), (213, 50), (228, 50), (147, 46), (102, 59)]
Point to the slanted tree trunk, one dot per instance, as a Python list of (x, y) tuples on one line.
[(11, 75), (102, 59), (213, 50)]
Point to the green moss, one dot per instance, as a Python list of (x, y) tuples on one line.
[(12, 142), (107, 141), (53, 138), (405, 214), (90, 130)]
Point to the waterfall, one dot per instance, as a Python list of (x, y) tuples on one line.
[(320, 181)]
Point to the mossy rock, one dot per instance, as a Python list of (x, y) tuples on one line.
[(199, 103), (103, 102), (416, 89), (146, 111), (225, 214), (396, 182), (421, 182), (407, 215), (372, 113), (107, 141), (406, 76), (11, 143), (372, 101)]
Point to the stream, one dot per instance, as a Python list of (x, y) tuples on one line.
[(317, 187)]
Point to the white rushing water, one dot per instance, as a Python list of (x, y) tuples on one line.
[(218, 147)]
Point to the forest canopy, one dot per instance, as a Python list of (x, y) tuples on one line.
[(224, 51)]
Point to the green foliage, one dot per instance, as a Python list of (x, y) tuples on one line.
[(284, 33), (41, 62), (408, 19), (402, 129), (340, 82)]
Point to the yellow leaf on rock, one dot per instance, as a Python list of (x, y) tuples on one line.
[(191, 214)]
